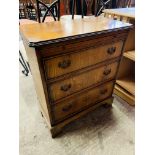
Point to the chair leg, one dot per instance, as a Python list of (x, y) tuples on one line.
[(73, 8), (23, 63), (25, 70), (29, 66), (82, 7)]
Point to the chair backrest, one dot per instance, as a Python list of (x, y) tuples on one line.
[(102, 4), (51, 7), (87, 7), (94, 7)]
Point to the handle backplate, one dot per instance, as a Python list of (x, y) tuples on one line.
[(67, 108), (107, 72), (65, 87), (103, 92), (111, 50), (64, 64)]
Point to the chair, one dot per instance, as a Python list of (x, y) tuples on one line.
[(23, 59), (102, 4), (52, 9), (88, 8), (43, 10), (92, 7), (27, 15), (82, 7), (35, 9), (28, 8)]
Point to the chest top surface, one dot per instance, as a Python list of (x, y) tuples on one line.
[(47, 33)]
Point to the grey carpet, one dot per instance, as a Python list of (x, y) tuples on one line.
[(101, 132)]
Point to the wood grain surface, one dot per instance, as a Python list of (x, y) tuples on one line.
[(79, 102), (60, 30), (79, 82), (81, 60), (74, 65)]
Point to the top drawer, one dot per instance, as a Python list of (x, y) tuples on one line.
[(70, 62), (49, 50)]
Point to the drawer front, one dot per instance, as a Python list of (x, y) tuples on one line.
[(66, 87), (80, 102), (60, 65), (83, 43)]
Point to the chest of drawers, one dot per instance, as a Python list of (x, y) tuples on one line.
[(74, 68)]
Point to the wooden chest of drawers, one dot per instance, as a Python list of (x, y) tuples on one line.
[(74, 68)]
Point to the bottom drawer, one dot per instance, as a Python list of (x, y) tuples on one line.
[(81, 101)]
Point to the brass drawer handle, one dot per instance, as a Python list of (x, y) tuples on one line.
[(67, 108), (64, 64), (65, 87), (111, 50), (107, 72), (103, 92)]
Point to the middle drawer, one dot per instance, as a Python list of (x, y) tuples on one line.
[(76, 83)]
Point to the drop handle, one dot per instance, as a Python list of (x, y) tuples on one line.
[(107, 72), (67, 108), (65, 87), (64, 64), (103, 92), (111, 50)]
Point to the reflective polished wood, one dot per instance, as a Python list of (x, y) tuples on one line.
[(43, 32)]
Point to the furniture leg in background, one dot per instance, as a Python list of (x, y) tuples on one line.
[(24, 64), (23, 59)]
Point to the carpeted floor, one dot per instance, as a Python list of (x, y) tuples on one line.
[(101, 132)]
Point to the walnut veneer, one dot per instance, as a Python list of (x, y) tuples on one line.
[(74, 65)]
